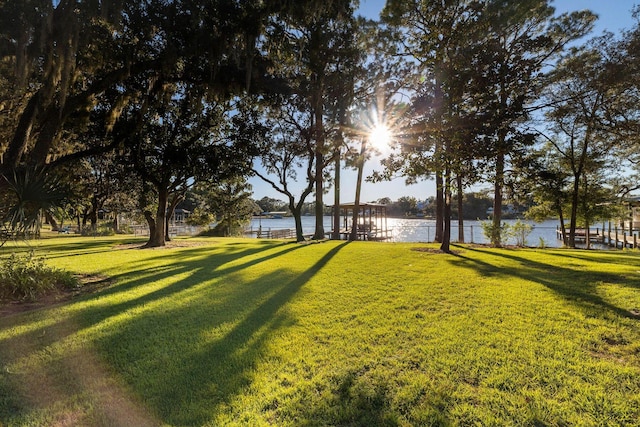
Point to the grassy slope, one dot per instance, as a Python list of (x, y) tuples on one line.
[(246, 332)]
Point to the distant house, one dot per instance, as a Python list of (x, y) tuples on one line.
[(507, 210), (104, 214), (180, 215)]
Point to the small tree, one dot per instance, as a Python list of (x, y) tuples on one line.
[(231, 201), (183, 140), (288, 152), (519, 231), (578, 116)]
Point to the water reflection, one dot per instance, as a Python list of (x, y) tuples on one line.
[(423, 230), (415, 230)]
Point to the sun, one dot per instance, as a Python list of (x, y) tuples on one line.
[(380, 137)]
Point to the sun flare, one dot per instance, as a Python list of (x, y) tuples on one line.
[(380, 137)]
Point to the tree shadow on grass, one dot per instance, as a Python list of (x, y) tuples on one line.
[(147, 336), (77, 247), (131, 280), (202, 258), (623, 258), (208, 355), (576, 286), (18, 346)]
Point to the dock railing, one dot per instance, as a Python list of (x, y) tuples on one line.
[(615, 238)]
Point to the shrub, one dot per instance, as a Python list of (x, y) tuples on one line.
[(101, 230), (542, 243), (200, 217), (520, 231), (125, 229), (26, 277), (487, 230), (225, 229)]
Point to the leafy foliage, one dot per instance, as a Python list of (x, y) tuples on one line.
[(27, 277), (26, 195), (231, 202), (519, 231), (99, 230)]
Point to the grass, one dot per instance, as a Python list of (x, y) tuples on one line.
[(243, 332)]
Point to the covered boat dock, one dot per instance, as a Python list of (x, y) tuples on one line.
[(372, 221)]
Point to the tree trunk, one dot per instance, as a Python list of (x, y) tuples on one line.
[(574, 211), (157, 225), (496, 229), (227, 221), (356, 204), (48, 132), (319, 147), (22, 134), (563, 233), (93, 214), (446, 235), (336, 200), (586, 213), (319, 230), (167, 221), (93, 218), (439, 206), (460, 213), (151, 222), (438, 155), (296, 211), (52, 221)]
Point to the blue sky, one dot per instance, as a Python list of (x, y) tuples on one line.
[(613, 15)]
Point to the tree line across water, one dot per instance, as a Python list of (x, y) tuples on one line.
[(476, 205), (129, 105)]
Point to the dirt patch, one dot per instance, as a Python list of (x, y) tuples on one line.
[(168, 245), (88, 284)]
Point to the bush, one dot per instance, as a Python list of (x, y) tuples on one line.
[(222, 229), (101, 230), (520, 231), (199, 217), (488, 230), (125, 229), (27, 277)]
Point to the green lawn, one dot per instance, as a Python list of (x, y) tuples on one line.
[(225, 332)]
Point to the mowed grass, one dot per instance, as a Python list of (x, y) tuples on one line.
[(241, 332)]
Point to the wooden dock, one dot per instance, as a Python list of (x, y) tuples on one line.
[(619, 239), (272, 233)]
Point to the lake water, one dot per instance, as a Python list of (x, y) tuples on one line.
[(422, 230)]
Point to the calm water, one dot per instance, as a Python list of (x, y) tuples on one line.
[(423, 230)]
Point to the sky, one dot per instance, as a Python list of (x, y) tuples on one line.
[(613, 16)]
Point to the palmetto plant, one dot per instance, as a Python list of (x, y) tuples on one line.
[(25, 195)]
